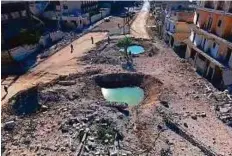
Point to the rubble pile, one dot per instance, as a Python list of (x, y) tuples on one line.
[(223, 105), (73, 119), (108, 53)]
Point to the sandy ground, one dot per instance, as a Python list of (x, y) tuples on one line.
[(62, 63)]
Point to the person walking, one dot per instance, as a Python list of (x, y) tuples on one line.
[(6, 89), (92, 40), (108, 39), (71, 46)]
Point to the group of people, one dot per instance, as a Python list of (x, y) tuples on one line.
[(71, 46)]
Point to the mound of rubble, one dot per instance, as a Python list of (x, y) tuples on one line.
[(70, 117), (108, 53), (223, 105)]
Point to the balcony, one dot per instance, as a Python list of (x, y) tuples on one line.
[(206, 28), (229, 38), (207, 56), (200, 47), (209, 30), (220, 5), (230, 9), (209, 4)]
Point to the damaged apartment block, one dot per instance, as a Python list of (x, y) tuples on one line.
[(209, 46), (176, 29)]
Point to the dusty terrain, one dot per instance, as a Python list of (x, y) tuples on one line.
[(65, 109), (184, 98), (75, 104), (61, 63)]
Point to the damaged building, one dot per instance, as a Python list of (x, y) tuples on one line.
[(177, 29), (210, 43)]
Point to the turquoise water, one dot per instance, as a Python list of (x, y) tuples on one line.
[(135, 49), (129, 95)]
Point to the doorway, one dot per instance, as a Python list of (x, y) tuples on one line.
[(209, 23), (172, 41), (228, 55), (210, 74), (197, 19)]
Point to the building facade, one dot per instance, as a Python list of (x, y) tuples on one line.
[(73, 13), (177, 28), (210, 43)]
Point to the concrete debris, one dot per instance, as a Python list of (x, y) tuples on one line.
[(9, 126), (67, 83)]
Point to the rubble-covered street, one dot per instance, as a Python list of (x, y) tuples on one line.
[(61, 110)]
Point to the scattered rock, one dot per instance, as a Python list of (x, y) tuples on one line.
[(159, 127), (186, 125), (43, 108), (72, 121), (195, 96), (114, 153), (87, 149), (63, 149), (97, 153), (64, 128), (106, 141), (26, 141), (9, 126), (194, 117), (203, 114), (224, 109), (66, 83), (164, 103)]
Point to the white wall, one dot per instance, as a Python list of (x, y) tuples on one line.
[(97, 17), (55, 36), (214, 50), (195, 18), (197, 40), (21, 52), (172, 27), (167, 24), (44, 40), (230, 61), (191, 36), (207, 45), (201, 65)]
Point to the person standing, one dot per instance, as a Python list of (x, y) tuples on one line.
[(92, 40), (71, 46), (108, 39), (6, 89)]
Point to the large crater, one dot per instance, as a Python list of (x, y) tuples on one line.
[(150, 86)]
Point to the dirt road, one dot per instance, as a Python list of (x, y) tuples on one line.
[(138, 27), (62, 63)]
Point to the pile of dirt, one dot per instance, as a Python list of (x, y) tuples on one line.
[(110, 53)]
